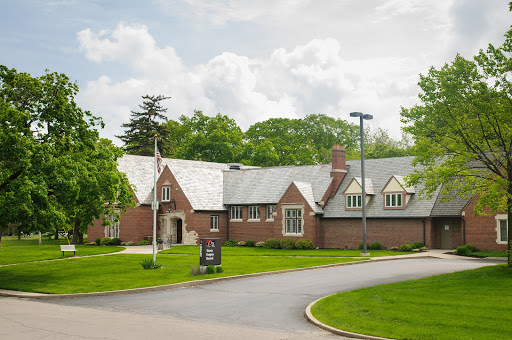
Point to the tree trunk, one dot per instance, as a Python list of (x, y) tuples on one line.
[(19, 233), (75, 233), (81, 238), (1, 234), (56, 234), (509, 229)]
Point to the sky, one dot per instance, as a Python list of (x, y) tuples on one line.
[(249, 59)]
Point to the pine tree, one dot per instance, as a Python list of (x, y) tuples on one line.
[(138, 139)]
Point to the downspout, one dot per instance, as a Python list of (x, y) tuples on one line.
[(227, 225), (463, 230), (424, 232)]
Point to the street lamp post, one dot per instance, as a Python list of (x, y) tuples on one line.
[(363, 189)]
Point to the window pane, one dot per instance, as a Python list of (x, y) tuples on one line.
[(299, 213), (399, 200), (393, 200), (299, 226), (349, 201), (359, 198), (388, 203), (503, 231)]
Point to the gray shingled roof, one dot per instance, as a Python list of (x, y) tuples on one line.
[(380, 171), (267, 185), (306, 190), (200, 181)]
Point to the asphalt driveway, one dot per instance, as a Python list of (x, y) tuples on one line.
[(274, 302)]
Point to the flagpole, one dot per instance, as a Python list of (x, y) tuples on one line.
[(154, 208)]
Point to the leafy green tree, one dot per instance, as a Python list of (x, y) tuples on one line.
[(302, 141), (211, 139), (139, 136), (379, 144), (463, 129), (46, 143)]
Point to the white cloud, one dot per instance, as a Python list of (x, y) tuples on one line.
[(311, 78)]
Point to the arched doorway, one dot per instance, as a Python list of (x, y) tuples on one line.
[(179, 231)]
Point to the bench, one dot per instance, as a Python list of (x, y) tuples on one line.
[(70, 247)]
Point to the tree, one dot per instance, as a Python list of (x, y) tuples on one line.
[(46, 145), (378, 144), (463, 130), (210, 139), (138, 139), (301, 141)]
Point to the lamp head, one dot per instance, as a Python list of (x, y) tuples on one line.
[(356, 114)]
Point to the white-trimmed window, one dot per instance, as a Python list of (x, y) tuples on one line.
[(214, 223), (112, 230), (166, 194), (293, 222), (354, 201), (393, 200), (236, 213), (269, 211), (502, 229), (254, 212)]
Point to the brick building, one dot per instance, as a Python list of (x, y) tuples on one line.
[(321, 203)]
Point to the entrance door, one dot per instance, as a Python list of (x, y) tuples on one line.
[(179, 231), (446, 234)]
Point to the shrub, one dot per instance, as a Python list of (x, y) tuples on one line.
[(130, 243), (423, 248), (220, 269), (230, 243), (287, 243), (92, 243), (249, 243), (406, 248), (115, 241), (272, 243), (123, 243), (241, 244), (211, 269), (106, 241), (416, 250), (149, 264), (418, 245), (97, 241), (465, 250), (394, 248), (260, 244), (143, 243), (304, 244), (360, 246), (376, 246)]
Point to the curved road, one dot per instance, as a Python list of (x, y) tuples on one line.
[(262, 307)]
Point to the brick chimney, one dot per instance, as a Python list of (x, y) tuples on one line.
[(338, 172)]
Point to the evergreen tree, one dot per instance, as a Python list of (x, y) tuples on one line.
[(138, 139)]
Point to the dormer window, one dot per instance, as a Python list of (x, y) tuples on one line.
[(354, 201), (354, 196), (393, 200), (396, 194)]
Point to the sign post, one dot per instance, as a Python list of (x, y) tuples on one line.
[(209, 251)]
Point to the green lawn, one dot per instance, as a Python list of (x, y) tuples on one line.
[(33, 240), (123, 271), (489, 253), (20, 254), (256, 251), (475, 304)]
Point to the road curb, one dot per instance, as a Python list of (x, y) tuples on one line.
[(314, 321)]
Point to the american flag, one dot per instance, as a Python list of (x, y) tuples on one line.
[(158, 161)]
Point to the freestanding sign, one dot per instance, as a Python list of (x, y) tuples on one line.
[(209, 251)]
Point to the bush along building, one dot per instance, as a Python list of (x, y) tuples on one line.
[(321, 203)]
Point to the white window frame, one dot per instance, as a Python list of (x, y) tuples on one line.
[(351, 199), (395, 195), (166, 194), (253, 213), (112, 230), (214, 223), (236, 213), (499, 235), (289, 227), (269, 211)]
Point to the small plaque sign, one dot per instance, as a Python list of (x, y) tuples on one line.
[(209, 251)]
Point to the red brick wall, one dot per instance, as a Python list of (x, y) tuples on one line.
[(481, 230), (348, 233), (254, 231)]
